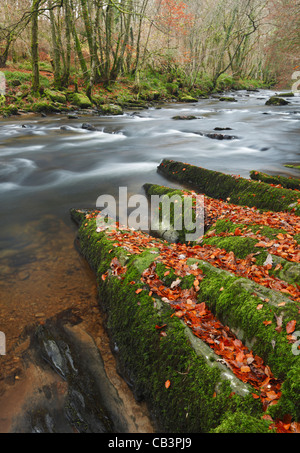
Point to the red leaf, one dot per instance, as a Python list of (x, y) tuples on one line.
[(290, 327)]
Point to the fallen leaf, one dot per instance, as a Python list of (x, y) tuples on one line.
[(167, 384), (290, 327)]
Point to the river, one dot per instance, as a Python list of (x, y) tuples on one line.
[(51, 164)]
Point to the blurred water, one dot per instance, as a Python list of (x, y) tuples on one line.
[(47, 170)]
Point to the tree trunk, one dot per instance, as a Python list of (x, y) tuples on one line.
[(35, 47)]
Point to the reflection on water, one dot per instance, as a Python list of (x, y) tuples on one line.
[(48, 165)]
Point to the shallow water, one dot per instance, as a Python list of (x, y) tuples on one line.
[(46, 170)]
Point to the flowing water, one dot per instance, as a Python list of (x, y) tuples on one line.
[(51, 164)]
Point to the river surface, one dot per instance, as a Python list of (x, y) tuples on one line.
[(51, 164)]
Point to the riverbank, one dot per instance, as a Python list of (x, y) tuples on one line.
[(125, 93), (188, 319)]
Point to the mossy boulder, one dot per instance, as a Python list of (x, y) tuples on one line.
[(276, 100), (187, 98), (227, 99), (98, 100), (9, 110), (55, 96), (44, 107), (80, 100), (111, 109), (184, 117)]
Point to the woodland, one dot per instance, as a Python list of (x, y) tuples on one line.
[(154, 46)]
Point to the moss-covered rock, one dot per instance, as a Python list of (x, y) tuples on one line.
[(275, 100), (200, 392), (9, 110), (55, 96), (241, 191), (287, 182), (43, 107), (227, 99), (148, 360), (80, 100), (111, 109), (187, 98)]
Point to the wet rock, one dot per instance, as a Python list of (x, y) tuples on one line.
[(88, 127), (227, 99), (221, 136), (90, 403), (184, 117), (286, 95), (187, 98), (275, 100), (223, 129)]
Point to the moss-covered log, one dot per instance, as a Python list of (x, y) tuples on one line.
[(239, 190), (286, 182), (198, 397)]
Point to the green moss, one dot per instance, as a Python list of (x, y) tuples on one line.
[(241, 423), (111, 109), (289, 403), (55, 96), (80, 100), (293, 166), (240, 191), (198, 396), (275, 100), (187, 98), (288, 183), (227, 99), (236, 306), (147, 359), (43, 106), (9, 110)]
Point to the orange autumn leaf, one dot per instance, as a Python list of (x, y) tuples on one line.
[(138, 291), (167, 384), (290, 327), (245, 369)]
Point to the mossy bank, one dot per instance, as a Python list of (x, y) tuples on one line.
[(202, 395)]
